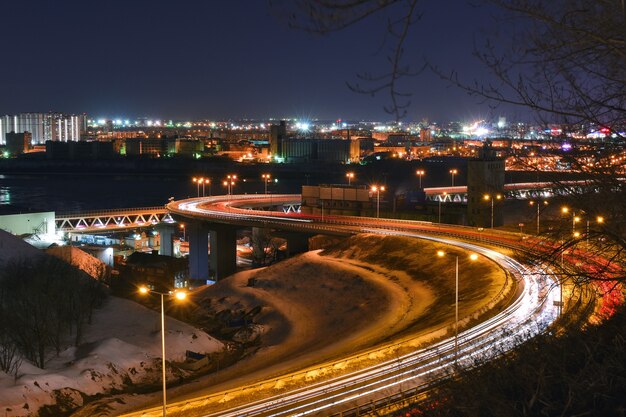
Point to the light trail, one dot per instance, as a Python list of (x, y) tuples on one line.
[(527, 315)]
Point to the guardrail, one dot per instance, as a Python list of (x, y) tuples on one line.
[(97, 213)]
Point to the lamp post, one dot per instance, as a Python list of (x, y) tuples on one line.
[(420, 173), (441, 198), (179, 295), (472, 257), (377, 189), (350, 176), (229, 183), (266, 178), (599, 220), (197, 181), (532, 203), (492, 198), (575, 219), (182, 226), (453, 172)]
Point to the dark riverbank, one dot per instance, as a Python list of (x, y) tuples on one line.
[(39, 184)]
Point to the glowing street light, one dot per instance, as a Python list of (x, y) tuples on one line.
[(350, 176), (532, 203), (182, 226), (377, 189), (453, 172), (492, 198), (575, 219), (599, 220), (266, 179), (179, 295), (420, 173), (203, 181), (197, 181), (472, 257), (229, 182)]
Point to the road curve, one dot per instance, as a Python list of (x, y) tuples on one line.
[(531, 312)]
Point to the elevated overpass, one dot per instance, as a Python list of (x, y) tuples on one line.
[(513, 191), (528, 314), (217, 218)]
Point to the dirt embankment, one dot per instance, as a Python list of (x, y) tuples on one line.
[(322, 306), (358, 293)]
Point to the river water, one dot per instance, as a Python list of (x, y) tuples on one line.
[(65, 193)]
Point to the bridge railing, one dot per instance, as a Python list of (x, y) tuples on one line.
[(123, 211)]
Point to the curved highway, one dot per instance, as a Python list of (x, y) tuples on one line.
[(531, 311)]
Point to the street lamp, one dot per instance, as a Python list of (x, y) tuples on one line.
[(179, 295), (599, 220), (182, 226), (197, 181), (266, 178), (472, 257), (532, 203), (453, 172), (441, 198), (377, 189), (203, 181), (492, 198), (565, 210), (206, 181), (350, 176), (229, 182), (420, 173)]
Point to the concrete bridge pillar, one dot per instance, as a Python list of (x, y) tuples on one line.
[(223, 254), (166, 237), (296, 242), (198, 236)]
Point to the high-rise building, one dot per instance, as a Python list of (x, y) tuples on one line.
[(278, 133), (5, 127), (485, 188), (44, 126), (18, 143)]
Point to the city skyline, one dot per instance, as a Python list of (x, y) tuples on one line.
[(175, 62)]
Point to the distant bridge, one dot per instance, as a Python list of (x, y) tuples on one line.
[(515, 191), (105, 220)]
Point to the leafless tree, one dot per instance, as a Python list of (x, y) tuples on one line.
[(564, 59), (324, 16), (264, 246), (10, 358), (42, 302)]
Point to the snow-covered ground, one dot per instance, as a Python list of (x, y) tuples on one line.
[(121, 347), (13, 248)]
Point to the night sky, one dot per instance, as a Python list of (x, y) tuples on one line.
[(221, 59)]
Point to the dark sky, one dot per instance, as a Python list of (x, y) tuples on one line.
[(220, 59)]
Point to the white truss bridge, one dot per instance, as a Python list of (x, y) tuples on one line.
[(104, 220), (515, 191), (130, 218)]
